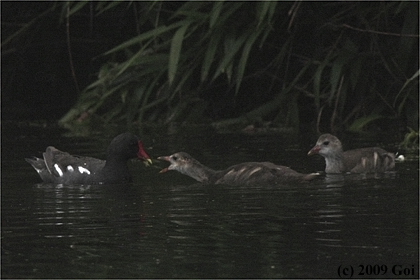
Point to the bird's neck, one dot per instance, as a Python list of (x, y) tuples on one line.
[(334, 162), (199, 172), (116, 166)]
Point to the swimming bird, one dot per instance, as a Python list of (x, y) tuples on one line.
[(63, 168), (363, 160), (247, 173)]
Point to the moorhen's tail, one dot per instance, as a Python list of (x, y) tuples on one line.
[(41, 168), (37, 163)]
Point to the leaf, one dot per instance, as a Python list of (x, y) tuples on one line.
[(335, 76), (408, 82), (151, 88), (337, 71), (209, 56), (145, 36), (265, 10), (317, 81), (271, 10), (101, 8), (133, 104), (228, 71), (297, 77), (132, 60), (21, 31), (74, 7), (190, 9), (360, 123), (185, 76), (244, 58), (267, 31), (232, 46), (215, 12), (175, 52), (355, 71), (226, 16)]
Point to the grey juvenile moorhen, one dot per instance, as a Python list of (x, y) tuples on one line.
[(62, 168), (247, 173), (364, 160)]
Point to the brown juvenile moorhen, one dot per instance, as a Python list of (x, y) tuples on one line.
[(364, 160), (62, 168), (247, 173)]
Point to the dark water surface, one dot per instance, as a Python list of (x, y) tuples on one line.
[(168, 226)]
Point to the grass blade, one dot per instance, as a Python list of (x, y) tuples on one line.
[(145, 36), (175, 52), (215, 12), (209, 56), (244, 58)]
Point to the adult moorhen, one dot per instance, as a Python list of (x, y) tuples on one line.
[(364, 160), (247, 173), (62, 168)]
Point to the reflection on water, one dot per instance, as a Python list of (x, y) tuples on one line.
[(168, 226)]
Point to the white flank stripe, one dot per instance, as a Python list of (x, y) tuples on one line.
[(230, 172), (242, 170), (83, 170), (255, 170), (58, 169), (375, 159), (70, 168)]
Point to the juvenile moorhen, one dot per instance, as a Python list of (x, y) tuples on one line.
[(247, 173), (364, 160), (62, 168)]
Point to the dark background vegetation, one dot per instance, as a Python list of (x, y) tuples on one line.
[(325, 66)]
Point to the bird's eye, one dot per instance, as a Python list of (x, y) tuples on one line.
[(174, 158), (326, 143)]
